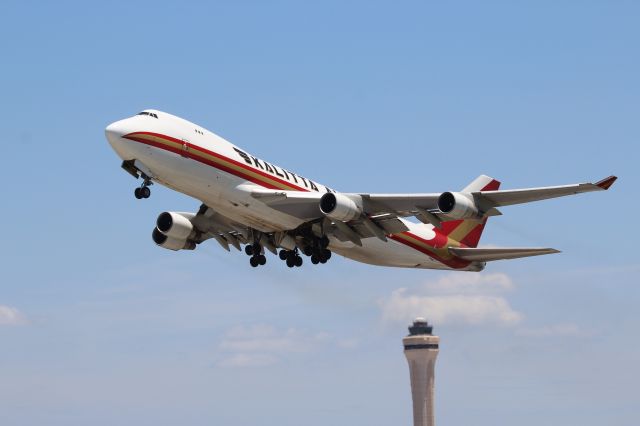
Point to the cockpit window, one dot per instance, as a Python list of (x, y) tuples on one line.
[(150, 114)]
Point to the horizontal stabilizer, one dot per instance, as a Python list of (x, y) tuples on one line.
[(490, 254)]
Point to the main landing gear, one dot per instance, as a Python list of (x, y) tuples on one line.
[(255, 251), (143, 191), (318, 251), (291, 257)]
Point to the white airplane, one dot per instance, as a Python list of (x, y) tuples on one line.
[(248, 201)]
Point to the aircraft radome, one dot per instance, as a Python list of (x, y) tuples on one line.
[(249, 202)]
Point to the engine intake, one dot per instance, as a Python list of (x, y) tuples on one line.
[(171, 243), (339, 207), (175, 225), (458, 205)]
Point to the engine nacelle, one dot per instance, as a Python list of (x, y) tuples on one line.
[(458, 205), (175, 225), (171, 243), (339, 207)]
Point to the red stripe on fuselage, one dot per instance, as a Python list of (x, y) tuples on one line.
[(454, 262)]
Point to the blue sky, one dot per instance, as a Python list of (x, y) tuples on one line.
[(97, 325)]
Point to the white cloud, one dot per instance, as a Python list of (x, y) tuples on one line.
[(261, 345), (11, 316), (248, 360), (464, 298), (471, 310)]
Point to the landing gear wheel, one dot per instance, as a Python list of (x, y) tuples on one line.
[(314, 259), (308, 251), (326, 254), (253, 261), (248, 249), (323, 260), (262, 259), (145, 192), (283, 254), (298, 261), (291, 262)]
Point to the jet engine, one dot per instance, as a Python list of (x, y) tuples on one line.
[(458, 205), (173, 230), (171, 243), (175, 225), (339, 207)]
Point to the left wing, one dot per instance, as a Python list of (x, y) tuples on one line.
[(182, 230)]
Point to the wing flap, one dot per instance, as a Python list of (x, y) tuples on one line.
[(399, 204), (212, 224), (491, 254)]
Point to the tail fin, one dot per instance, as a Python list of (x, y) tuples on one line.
[(468, 232), (482, 183)]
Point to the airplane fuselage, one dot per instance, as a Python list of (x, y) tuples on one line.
[(194, 161)]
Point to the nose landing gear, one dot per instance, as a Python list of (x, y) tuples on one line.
[(143, 190)]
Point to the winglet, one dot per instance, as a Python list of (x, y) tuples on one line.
[(606, 182)]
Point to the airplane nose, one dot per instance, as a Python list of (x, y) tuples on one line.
[(114, 132)]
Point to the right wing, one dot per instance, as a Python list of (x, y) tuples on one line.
[(304, 205), (518, 196), (372, 215), (378, 214), (379, 221)]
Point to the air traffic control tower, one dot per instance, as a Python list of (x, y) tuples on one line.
[(421, 350)]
